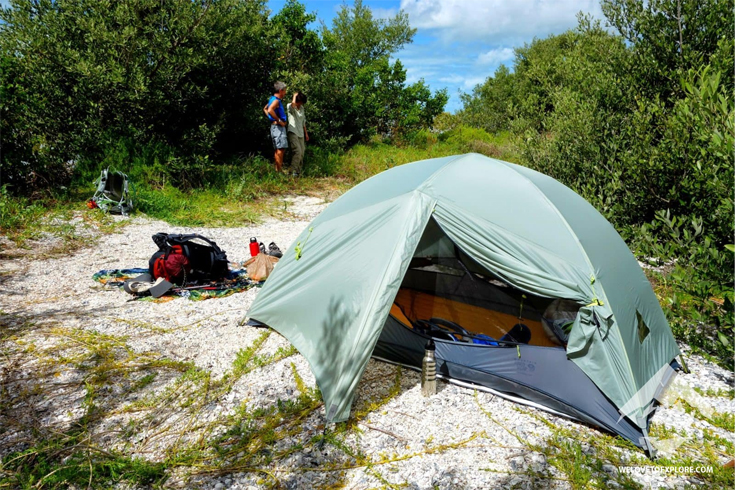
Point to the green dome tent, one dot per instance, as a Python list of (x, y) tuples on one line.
[(484, 244)]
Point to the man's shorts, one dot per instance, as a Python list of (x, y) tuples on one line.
[(279, 137)]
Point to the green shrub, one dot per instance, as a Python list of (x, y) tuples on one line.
[(16, 213), (421, 139), (93, 81), (320, 162), (147, 163), (253, 178), (169, 71), (697, 291), (644, 129)]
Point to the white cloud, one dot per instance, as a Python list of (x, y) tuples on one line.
[(501, 22), (453, 79), (382, 13), (469, 83), (431, 64), (496, 56), (453, 67)]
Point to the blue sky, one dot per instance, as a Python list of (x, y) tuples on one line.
[(459, 43)]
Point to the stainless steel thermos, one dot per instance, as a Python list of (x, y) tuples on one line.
[(428, 370)]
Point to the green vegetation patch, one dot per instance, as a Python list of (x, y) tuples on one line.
[(71, 459)]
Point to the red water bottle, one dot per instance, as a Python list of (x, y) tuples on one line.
[(254, 248)]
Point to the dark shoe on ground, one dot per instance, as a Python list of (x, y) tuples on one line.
[(274, 251)]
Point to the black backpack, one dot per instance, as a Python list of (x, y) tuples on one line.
[(206, 261)]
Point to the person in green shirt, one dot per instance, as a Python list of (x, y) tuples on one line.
[(297, 133)]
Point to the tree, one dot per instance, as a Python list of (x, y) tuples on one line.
[(82, 76), (85, 72), (301, 49), (642, 125), (491, 104), (668, 37), (363, 39), (364, 92)]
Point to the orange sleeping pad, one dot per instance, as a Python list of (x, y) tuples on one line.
[(475, 319)]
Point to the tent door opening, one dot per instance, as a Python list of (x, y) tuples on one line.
[(447, 295)]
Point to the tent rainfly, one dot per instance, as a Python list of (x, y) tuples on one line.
[(464, 249)]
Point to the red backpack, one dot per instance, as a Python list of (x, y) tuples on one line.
[(171, 264), (183, 259)]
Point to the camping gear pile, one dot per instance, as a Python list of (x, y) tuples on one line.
[(262, 261), (183, 259), (526, 290), (192, 266), (260, 266), (112, 194), (235, 282)]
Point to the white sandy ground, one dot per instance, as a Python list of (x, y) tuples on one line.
[(484, 429)]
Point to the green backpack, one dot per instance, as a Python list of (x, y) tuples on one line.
[(112, 195)]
